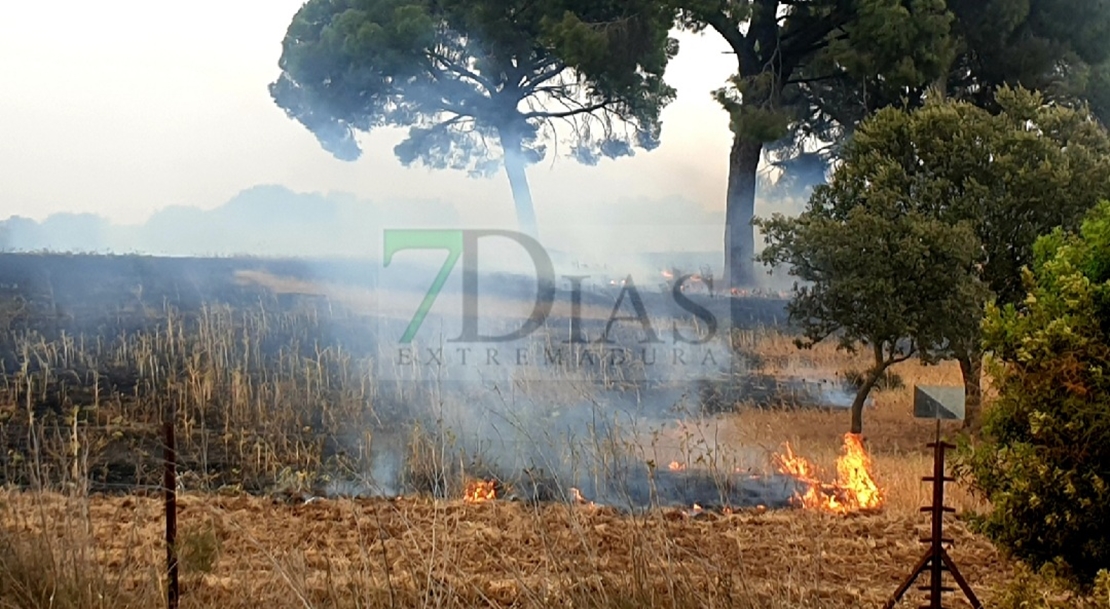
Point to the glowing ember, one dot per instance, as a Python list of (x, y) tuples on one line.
[(675, 466), (479, 491), (854, 489)]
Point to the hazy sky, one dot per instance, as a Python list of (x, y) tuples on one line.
[(123, 107)]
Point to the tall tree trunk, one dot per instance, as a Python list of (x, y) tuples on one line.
[(518, 181), (971, 367), (739, 232), (743, 164)]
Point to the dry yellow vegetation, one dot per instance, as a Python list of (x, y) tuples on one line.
[(67, 550), (416, 552)]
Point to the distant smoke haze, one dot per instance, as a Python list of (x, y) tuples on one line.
[(275, 221), (611, 238), (270, 221)]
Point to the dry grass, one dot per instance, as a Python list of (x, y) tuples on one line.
[(415, 552), (69, 551)]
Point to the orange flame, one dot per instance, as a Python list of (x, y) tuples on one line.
[(675, 466), (579, 499), (853, 472), (854, 490), (478, 491)]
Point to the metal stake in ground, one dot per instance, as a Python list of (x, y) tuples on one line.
[(170, 484), (936, 403)]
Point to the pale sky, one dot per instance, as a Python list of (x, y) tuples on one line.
[(123, 107)]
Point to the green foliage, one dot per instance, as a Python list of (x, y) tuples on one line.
[(1045, 46), (1005, 177), (1044, 463), (898, 43), (1013, 175), (1047, 589), (896, 52), (875, 272), (761, 123), (464, 75)]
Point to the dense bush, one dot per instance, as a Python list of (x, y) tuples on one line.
[(1044, 458)]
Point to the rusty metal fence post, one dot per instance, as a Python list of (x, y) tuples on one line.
[(936, 560), (170, 484)]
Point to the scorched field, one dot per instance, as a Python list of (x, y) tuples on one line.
[(306, 480)]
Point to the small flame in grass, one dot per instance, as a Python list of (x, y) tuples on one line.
[(579, 499), (854, 490), (853, 472), (675, 466), (478, 491)]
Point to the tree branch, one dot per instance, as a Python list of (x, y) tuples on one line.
[(489, 86), (764, 29), (572, 112), (801, 81), (740, 44), (897, 359), (556, 69), (808, 36)]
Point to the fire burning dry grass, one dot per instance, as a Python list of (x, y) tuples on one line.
[(854, 489), (478, 491), (853, 536)]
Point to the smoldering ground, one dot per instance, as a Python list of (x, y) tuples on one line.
[(282, 377), (622, 427)]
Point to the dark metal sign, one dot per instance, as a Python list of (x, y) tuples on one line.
[(938, 402)]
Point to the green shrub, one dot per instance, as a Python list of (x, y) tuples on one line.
[(198, 549), (1047, 589), (1044, 458)]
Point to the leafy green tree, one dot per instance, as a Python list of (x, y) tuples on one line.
[(1010, 176), (1049, 46), (808, 71), (903, 42), (878, 275), (1055, 47), (480, 84), (1044, 458)]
